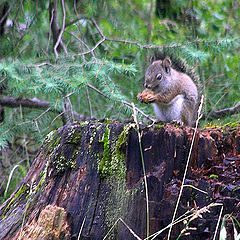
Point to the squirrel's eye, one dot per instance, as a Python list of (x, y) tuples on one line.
[(159, 76)]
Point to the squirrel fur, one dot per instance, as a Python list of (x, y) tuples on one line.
[(172, 92)]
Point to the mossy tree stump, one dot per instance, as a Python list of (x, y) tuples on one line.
[(87, 176)]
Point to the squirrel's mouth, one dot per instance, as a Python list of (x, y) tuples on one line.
[(154, 88)]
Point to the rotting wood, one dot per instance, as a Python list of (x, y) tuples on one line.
[(88, 175)]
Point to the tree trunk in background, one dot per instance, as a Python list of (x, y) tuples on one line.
[(87, 176), (4, 12)]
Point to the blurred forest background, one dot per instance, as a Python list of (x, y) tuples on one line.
[(81, 59)]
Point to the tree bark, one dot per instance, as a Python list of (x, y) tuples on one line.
[(87, 177), (4, 12)]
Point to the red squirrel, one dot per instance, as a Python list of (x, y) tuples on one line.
[(173, 94)]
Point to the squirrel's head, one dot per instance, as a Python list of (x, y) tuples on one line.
[(158, 75)]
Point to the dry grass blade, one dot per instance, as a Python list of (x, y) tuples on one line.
[(195, 214), (81, 228), (187, 164), (143, 166), (130, 230)]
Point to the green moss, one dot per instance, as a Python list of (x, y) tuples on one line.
[(52, 142), (213, 176), (159, 125), (106, 156), (60, 162), (232, 124), (118, 198), (107, 121), (220, 126), (82, 124), (23, 189), (56, 149), (112, 161)]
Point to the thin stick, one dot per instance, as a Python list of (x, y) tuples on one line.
[(195, 188), (131, 231), (180, 219), (143, 166), (61, 32), (81, 228), (89, 102), (219, 218), (82, 43), (123, 102), (50, 30), (91, 50)]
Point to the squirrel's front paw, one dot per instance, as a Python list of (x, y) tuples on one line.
[(151, 98), (139, 97), (146, 96)]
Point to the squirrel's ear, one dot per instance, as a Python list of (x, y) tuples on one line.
[(167, 64), (152, 59)]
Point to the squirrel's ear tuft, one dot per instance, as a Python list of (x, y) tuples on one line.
[(167, 64), (152, 59)]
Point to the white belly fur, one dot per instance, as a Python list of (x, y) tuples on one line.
[(170, 111)]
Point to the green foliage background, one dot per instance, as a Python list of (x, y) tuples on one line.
[(205, 33)]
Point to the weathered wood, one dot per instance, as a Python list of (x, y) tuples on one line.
[(87, 176)]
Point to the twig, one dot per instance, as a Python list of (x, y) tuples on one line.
[(149, 27), (79, 17), (123, 102), (191, 186), (125, 224), (91, 50), (67, 107), (218, 222), (98, 28), (33, 103), (36, 123), (79, 235), (61, 32), (50, 31), (181, 219), (24, 102), (222, 112), (89, 102), (143, 46), (82, 42), (149, 33)]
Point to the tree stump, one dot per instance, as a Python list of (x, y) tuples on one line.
[(87, 182)]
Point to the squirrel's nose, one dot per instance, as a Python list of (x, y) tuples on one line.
[(146, 85)]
